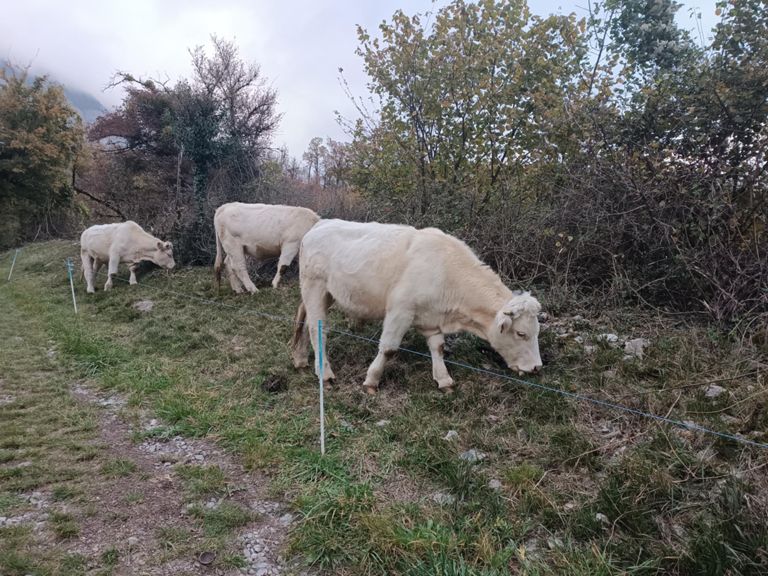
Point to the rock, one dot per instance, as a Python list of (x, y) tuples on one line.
[(494, 484), (636, 347), (382, 423), (442, 498), (568, 506), (554, 542), (608, 338), (713, 391), (600, 517), (133, 541), (451, 435), (286, 519), (589, 349), (579, 339), (144, 305), (522, 435), (472, 455)]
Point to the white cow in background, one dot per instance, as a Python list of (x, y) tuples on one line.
[(123, 242), (406, 276), (258, 230)]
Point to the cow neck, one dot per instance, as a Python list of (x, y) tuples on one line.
[(484, 294)]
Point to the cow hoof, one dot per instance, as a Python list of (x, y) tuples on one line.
[(298, 364), (327, 385), (370, 390), (448, 390), (91, 291)]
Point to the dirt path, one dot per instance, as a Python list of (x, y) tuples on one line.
[(91, 486)]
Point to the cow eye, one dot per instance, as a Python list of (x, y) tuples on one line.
[(522, 335)]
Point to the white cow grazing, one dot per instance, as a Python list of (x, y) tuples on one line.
[(259, 230), (406, 276), (123, 242)]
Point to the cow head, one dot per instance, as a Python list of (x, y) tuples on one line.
[(163, 255), (515, 333)]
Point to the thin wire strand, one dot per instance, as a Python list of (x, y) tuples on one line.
[(572, 395), (688, 425)]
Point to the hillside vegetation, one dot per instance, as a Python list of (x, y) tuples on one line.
[(553, 486)]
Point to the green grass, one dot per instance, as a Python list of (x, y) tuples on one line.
[(118, 468), (367, 506)]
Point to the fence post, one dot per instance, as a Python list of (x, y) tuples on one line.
[(13, 263), (320, 372), (70, 266)]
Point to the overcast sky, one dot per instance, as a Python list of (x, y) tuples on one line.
[(299, 44)]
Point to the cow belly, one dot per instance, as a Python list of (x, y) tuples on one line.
[(359, 300)]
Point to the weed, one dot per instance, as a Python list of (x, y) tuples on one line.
[(118, 468), (64, 525), (201, 481)]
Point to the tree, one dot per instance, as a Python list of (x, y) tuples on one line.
[(197, 143), (465, 104), (313, 157), (41, 140)]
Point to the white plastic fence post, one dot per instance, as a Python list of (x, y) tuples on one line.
[(13, 263), (320, 372), (70, 266)]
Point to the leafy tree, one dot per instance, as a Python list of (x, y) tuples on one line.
[(41, 141), (190, 146)]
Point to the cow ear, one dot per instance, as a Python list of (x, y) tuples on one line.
[(503, 322)]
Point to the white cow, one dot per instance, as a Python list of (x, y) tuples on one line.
[(406, 276), (259, 230), (123, 242)]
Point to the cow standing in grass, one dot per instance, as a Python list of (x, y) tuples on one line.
[(115, 243), (258, 230), (406, 276)]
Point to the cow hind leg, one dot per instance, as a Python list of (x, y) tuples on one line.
[(234, 281), (240, 268), (88, 272), (316, 302), (287, 254), (396, 324), (436, 343)]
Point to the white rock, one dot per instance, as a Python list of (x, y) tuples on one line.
[(713, 391), (608, 338), (451, 435), (494, 484), (286, 519), (636, 347), (600, 517), (442, 498), (144, 305), (472, 455), (589, 349), (133, 541), (382, 423)]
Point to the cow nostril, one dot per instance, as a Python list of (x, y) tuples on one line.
[(537, 369)]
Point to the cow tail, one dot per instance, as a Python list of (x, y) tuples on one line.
[(218, 262)]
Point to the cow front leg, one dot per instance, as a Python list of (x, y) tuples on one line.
[(436, 343), (287, 254), (132, 279), (395, 327), (114, 262), (88, 272)]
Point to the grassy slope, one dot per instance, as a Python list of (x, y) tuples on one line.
[(583, 491)]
